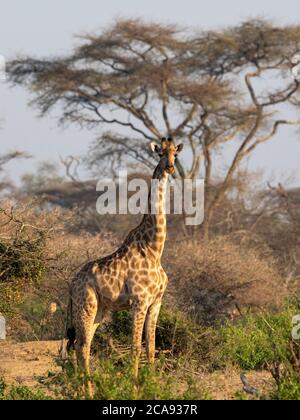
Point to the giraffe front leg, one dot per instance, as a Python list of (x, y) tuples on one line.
[(83, 346), (151, 322), (139, 315)]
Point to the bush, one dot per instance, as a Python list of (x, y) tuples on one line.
[(176, 334), (22, 259), (220, 280), (288, 388), (22, 264), (113, 380), (22, 254), (20, 393), (264, 341), (257, 341), (10, 295), (120, 327), (2, 388)]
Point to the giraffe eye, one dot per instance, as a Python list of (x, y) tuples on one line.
[(175, 155)]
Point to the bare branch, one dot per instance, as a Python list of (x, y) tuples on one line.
[(273, 132), (71, 164)]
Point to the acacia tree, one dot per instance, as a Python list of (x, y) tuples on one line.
[(145, 80)]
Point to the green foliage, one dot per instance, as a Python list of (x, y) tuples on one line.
[(2, 388), (257, 340), (264, 341), (195, 392), (175, 331), (288, 387), (26, 393), (261, 341), (113, 380), (20, 393), (9, 296), (21, 259), (120, 326)]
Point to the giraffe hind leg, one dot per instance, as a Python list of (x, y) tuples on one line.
[(84, 316), (151, 322), (139, 315)]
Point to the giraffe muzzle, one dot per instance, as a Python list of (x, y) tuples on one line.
[(170, 170)]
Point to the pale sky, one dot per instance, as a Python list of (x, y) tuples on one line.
[(45, 28)]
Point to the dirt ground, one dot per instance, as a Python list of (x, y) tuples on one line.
[(24, 363), (225, 385)]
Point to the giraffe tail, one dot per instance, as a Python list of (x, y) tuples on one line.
[(68, 342)]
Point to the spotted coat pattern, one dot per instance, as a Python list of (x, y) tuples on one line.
[(131, 277)]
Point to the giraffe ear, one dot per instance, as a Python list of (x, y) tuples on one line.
[(154, 147), (179, 147)]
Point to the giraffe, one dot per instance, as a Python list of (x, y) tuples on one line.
[(131, 277)]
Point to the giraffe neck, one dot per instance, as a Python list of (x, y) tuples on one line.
[(154, 222)]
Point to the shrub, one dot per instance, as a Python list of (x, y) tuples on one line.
[(20, 392), (220, 279), (22, 259), (288, 388), (22, 264), (258, 340), (113, 380), (2, 388), (26, 393), (176, 334), (10, 296), (120, 327), (264, 341), (22, 255), (36, 245)]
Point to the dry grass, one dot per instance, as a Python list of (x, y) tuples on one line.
[(221, 279), (62, 254), (207, 281)]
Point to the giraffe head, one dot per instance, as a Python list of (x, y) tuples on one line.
[(167, 151)]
